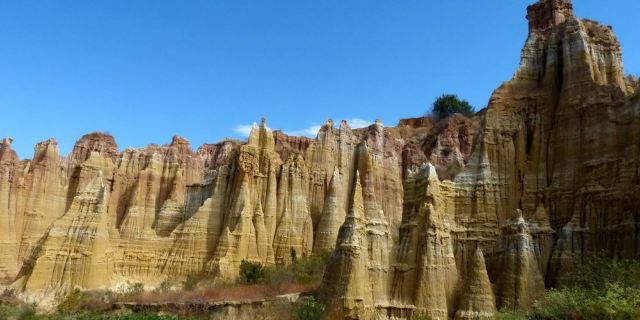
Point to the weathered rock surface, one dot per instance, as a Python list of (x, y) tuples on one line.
[(420, 217)]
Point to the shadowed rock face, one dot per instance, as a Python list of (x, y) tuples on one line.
[(454, 218)]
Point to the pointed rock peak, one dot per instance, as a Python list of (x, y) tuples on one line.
[(429, 171), (541, 217), (51, 142), (546, 14), (478, 257), (182, 144), (101, 142), (6, 153), (46, 149), (6, 142), (357, 205), (378, 122), (478, 265), (96, 186), (259, 211), (517, 225), (261, 136), (344, 125), (327, 127), (335, 176), (478, 300), (334, 183), (254, 135)]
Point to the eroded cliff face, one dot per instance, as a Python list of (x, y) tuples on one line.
[(551, 179), (451, 218), (101, 217)]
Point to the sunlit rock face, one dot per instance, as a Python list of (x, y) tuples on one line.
[(166, 211), (451, 218), (550, 180)]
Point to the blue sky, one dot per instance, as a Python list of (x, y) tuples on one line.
[(145, 70)]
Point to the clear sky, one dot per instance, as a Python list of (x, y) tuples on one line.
[(145, 70)]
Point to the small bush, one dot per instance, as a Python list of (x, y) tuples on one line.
[(310, 309), (251, 272)]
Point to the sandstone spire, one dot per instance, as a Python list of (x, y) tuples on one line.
[(76, 251), (478, 301), (332, 217), (8, 235), (346, 279), (520, 282), (46, 197)]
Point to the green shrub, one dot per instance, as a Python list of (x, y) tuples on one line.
[(602, 289), (303, 271), (251, 272), (508, 314), (310, 309), (449, 104), (421, 316)]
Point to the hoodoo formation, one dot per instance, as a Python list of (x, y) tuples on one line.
[(451, 218)]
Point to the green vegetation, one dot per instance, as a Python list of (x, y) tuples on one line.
[(508, 314), (251, 272), (310, 309), (301, 271), (449, 104), (601, 289), (421, 316), (256, 281)]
